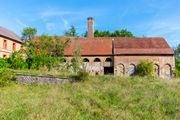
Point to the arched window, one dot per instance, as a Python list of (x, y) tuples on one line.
[(85, 60), (5, 44), (108, 60), (132, 69), (156, 70), (97, 60), (14, 46)]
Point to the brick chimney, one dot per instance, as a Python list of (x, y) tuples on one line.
[(90, 27)]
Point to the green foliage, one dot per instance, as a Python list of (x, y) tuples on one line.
[(76, 61), (16, 61), (44, 52), (71, 32), (177, 61), (177, 69), (145, 68), (83, 75), (98, 33), (6, 76), (122, 33), (177, 50), (117, 33), (4, 63), (29, 33)]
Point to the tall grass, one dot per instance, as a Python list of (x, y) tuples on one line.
[(101, 97)]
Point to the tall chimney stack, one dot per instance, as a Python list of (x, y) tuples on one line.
[(90, 27)]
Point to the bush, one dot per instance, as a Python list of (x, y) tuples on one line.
[(17, 61), (145, 68), (3, 63), (6, 76), (82, 75)]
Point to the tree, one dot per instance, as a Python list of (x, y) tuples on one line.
[(177, 50), (76, 61), (116, 33), (44, 51), (28, 33), (71, 32), (177, 61), (122, 33)]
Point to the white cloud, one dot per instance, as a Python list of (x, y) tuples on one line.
[(50, 13), (50, 26), (20, 23), (65, 23), (170, 29)]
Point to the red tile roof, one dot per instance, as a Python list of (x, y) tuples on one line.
[(121, 46), (90, 46), (141, 46)]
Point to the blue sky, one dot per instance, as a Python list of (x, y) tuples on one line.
[(150, 18)]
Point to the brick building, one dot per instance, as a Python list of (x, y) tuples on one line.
[(9, 42), (121, 55)]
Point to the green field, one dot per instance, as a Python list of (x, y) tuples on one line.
[(99, 98)]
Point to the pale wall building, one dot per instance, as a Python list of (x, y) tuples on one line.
[(120, 55), (9, 42)]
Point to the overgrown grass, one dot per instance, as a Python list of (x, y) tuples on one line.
[(101, 97)]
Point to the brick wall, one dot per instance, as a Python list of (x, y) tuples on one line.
[(95, 68), (6, 52), (124, 64)]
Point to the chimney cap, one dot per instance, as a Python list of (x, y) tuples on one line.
[(90, 18)]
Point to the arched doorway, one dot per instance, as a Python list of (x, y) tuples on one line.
[(167, 71), (86, 64), (156, 70), (132, 69), (108, 67), (97, 68), (120, 70)]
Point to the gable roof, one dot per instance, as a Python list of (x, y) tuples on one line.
[(119, 46), (141, 46), (90, 46), (9, 34)]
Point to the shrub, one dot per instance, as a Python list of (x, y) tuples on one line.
[(145, 68), (83, 75), (3, 63), (17, 61), (6, 76)]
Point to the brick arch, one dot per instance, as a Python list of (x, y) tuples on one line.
[(167, 71), (156, 69), (132, 69), (97, 60), (120, 69), (108, 60), (85, 60)]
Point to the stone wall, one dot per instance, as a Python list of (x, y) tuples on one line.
[(30, 79)]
